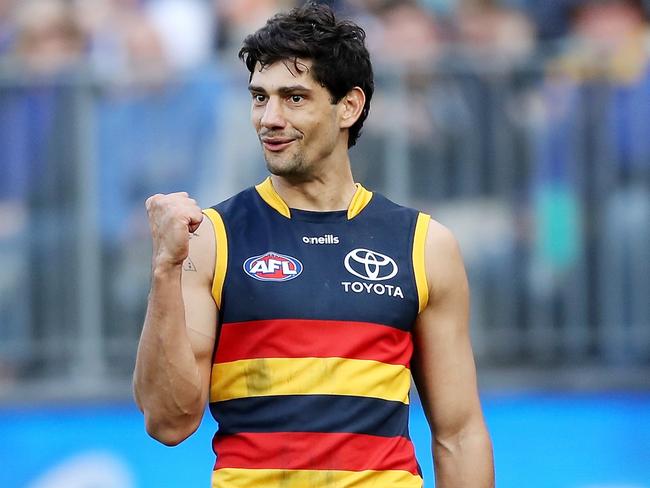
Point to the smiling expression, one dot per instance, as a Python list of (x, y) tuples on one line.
[(298, 125)]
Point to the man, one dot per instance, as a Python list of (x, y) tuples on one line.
[(301, 306)]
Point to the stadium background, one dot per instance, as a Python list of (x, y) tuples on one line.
[(524, 126)]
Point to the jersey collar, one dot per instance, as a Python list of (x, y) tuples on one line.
[(265, 189)]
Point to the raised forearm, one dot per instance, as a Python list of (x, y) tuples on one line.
[(464, 460), (167, 379)]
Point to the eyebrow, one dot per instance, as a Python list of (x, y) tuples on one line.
[(285, 90)]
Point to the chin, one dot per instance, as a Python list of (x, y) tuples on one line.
[(288, 173), (286, 169)]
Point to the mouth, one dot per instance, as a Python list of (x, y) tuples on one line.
[(276, 144)]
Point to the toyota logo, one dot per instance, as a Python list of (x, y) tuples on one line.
[(370, 265)]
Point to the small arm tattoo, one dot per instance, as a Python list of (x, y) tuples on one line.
[(188, 265)]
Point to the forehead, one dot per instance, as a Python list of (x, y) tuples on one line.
[(286, 72)]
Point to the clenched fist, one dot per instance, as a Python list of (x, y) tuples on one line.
[(172, 218)]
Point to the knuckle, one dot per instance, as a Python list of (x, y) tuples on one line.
[(154, 199)]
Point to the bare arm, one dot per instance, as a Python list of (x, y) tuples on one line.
[(444, 371), (173, 365)]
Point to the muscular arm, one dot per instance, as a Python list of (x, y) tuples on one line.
[(172, 373), (444, 371)]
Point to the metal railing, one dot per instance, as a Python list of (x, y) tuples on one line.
[(545, 183)]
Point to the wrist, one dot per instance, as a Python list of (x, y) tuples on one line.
[(162, 268)]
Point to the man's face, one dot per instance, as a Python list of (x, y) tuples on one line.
[(295, 119), (608, 25)]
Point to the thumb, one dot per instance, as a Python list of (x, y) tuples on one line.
[(195, 222)]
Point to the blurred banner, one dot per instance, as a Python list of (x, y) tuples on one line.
[(540, 441)]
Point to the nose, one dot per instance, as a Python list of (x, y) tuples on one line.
[(272, 116)]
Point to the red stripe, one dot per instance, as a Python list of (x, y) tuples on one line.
[(296, 338), (319, 451)]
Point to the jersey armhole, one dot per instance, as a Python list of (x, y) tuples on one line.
[(221, 258), (419, 269)]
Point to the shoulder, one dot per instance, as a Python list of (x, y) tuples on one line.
[(439, 237), (443, 260)]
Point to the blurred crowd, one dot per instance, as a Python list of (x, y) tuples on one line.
[(543, 103), (117, 35)]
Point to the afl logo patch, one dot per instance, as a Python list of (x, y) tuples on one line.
[(272, 267)]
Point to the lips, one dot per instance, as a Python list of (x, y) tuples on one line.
[(276, 144)]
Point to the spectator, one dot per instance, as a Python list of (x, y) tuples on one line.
[(185, 28), (48, 39), (6, 26), (237, 19), (494, 45), (490, 31), (405, 43), (122, 39), (410, 35)]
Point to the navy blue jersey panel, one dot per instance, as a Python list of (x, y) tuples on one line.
[(312, 413), (319, 265)]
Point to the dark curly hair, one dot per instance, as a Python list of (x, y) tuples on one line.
[(340, 60)]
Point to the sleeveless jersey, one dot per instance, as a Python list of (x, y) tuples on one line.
[(311, 372)]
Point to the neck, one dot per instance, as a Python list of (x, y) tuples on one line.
[(329, 191)]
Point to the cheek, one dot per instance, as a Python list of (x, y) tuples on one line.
[(255, 118), (331, 128), (323, 136), (319, 126)]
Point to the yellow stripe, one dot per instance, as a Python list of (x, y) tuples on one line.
[(359, 201), (270, 196), (265, 189), (309, 376), (419, 269), (284, 478), (221, 260)]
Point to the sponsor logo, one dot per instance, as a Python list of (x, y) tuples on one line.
[(376, 288), (326, 239), (273, 266), (370, 265)]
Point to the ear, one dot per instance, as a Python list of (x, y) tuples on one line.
[(351, 106)]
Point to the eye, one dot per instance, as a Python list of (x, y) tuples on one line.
[(297, 98), (259, 98)]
